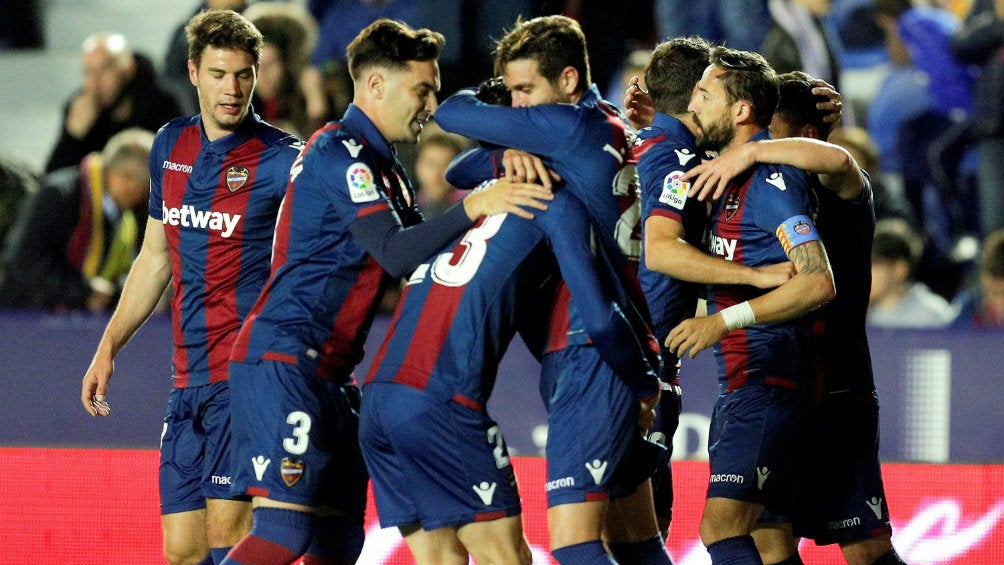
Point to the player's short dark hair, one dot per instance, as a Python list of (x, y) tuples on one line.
[(748, 77), (672, 71), (222, 29), (895, 240), (797, 104), (992, 256), (392, 44), (555, 42)]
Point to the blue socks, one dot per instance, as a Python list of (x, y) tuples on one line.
[(587, 553), (278, 537), (647, 552), (738, 550)]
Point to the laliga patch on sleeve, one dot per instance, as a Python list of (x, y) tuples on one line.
[(795, 231), (674, 190), (362, 187)]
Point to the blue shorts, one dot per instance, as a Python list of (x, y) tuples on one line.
[(195, 448), (594, 450), (434, 462), (755, 432), (845, 499), (296, 437)]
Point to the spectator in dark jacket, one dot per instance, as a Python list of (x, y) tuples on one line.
[(77, 235), (119, 91), (980, 40)]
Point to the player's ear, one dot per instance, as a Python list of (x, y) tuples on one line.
[(193, 73), (376, 83), (742, 111), (568, 81), (810, 131)]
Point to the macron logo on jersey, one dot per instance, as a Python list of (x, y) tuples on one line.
[(188, 216), (182, 168)]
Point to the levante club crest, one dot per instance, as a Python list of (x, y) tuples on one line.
[(236, 178)]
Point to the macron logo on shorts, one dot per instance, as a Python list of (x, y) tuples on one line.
[(260, 463), (188, 216), (485, 491)]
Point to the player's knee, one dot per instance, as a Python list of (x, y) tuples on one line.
[(226, 526), (176, 554)]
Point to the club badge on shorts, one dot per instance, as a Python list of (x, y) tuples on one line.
[(291, 470)]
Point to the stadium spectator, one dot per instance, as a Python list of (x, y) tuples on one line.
[(349, 228), (435, 151), (17, 181), (174, 67), (797, 40), (983, 307), (77, 235), (217, 179), (290, 34), (119, 91), (888, 203), (980, 40), (897, 298), (922, 106), (740, 24)]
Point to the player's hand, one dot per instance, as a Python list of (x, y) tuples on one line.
[(646, 414), (773, 276), (638, 107), (95, 386), (696, 335), (835, 105), (711, 178), (506, 197), (521, 166)]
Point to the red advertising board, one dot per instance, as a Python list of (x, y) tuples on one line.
[(86, 506)]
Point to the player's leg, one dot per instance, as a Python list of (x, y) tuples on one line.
[(871, 552), (339, 529), (496, 541), (434, 546), (776, 543), (438, 467), (632, 531), (747, 473), (228, 515), (227, 522), (182, 504), (182, 544), (667, 420), (276, 428), (586, 461)]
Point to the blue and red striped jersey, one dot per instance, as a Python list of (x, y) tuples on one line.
[(665, 151), (763, 214), (325, 287), (218, 202), (589, 145), (460, 311)]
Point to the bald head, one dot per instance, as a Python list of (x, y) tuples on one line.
[(108, 65)]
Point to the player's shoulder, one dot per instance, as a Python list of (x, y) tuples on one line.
[(659, 148), (272, 136), (340, 146), (780, 177), (169, 133)]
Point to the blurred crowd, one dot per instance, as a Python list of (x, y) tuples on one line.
[(929, 131)]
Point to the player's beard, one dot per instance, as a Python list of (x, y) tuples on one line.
[(716, 135)]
